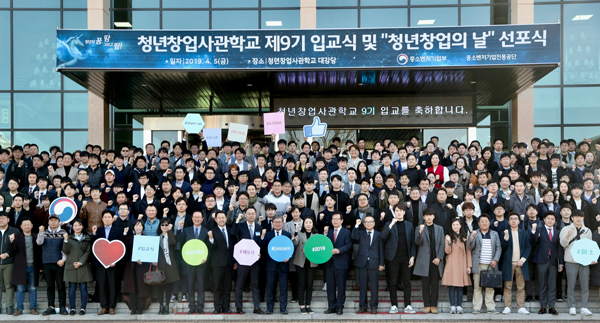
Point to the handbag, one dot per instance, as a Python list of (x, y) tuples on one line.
[(490, 278), (154, 277)]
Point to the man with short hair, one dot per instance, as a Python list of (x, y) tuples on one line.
[(27, 257), (53, 259), (516, 248), (222, 241), (429, 264), (7, 235), (276, 271), (336, 268)]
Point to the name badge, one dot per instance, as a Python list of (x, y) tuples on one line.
[(257, 234)]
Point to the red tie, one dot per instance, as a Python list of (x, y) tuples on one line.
[(335, 235), (550, 236)]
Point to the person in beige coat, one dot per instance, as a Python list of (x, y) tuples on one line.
[(458, 265)]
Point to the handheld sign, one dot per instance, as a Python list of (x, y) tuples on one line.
[(274, 123), (145, 249), (194, 252), (108, 252), (585, 251), (193, 123), (281, 248), (318, 249), (246, 252), (316, 129), (237, 132), (65, 208), (213, 137)]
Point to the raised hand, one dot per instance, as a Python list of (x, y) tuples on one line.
[(94, 229), (421, 228), (41, 228), (12, 237), (506, 235), (358, 222), (262, 234), (65, 236), (210, 235)]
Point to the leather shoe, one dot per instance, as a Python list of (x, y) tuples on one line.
[(268, 312), (227, 311), (542, 310), (103, 311), (239, 311), (111, 311), (373, 311), (200, 311), (330, 311), (427, 310), (258, 311), (216, 312), (192, 311), (361, 311), (340, 311), (528, 299), (434, 310), (553, 311), (284, 312)]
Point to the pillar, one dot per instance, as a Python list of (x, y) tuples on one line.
[(521, 12), (308, 14), (98, 111)]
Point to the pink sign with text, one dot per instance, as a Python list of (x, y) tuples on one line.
[(274, 123)]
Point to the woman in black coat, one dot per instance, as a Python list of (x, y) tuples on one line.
[(166, 263), (133, 282)]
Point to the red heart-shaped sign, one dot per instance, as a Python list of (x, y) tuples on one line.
[(108, 252)]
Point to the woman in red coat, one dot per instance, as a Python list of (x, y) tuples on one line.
[(440, 172), (133, 282)]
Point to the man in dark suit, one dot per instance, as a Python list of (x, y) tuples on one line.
[(337, 267), (276, 271), (195, 274), (106, 277), (400, 253), (222, 241), (369, 261), (545, 240), (249, 229)]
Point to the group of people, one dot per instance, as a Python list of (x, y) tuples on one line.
[(410, 210)]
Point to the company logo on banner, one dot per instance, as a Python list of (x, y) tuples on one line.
[(65, 208)]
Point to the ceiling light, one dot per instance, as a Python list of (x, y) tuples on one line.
[(274, 23), (360, 84), (426, 22), (144, 85), (473, 82), (582, 17), (123, 24), (249, 84)]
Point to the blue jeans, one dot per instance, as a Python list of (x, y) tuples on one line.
[(21, 289), (83, 291), (456, 295)]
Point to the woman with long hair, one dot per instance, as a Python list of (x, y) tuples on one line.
[(78, 271), (458, 265), (440, 172)]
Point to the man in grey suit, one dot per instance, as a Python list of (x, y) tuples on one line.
[(520, 201), (485, 251), (369, 260), (429, 239)]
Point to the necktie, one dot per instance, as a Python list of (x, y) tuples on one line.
[(197, 233), (251, 230), (369, 238), (550, 236), (276, 234), (30, 190), (335, 235), (225, 236)]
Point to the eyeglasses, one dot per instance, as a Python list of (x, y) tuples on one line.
[(164, 225), (369, 221)]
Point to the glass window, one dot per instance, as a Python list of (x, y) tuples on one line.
[(475, 16), (37, 110), (389, 17), (74, 20), (4, 3), (280, 19), (550, 133), (337, 18), (185, 3), (433, 17), (578, 133), (546, 104), (279, 3), (129, 137), (446, 135), (44, 139), (548, 14), (145, 20), (75, 140), (34, 34), (364, 3), (5, 139), (4, 111), (185, 20), (483, 1), (581, 104), (431, 2), (492, 115), (581, 25), (4, 54), (128, 4), (36, 4), (486, 135), (234, 3), (76, 110), (336, 3), (74, 4), (235, 19)]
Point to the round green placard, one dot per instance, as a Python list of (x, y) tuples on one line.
[(318, 248), (194, 252)]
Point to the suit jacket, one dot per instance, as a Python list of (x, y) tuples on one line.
[(221, 252), (115, 233), (540, 242), (343, 243), (409, 212), (299, 254), (18, 251), (272, 265), (517, 205), (255, 172), (245, 165), (290, 226), (188, 233), (507, 253), (475, 246), (422, 240), (62, 172), (390, 237), (185, 186), (240, 230), (370, 251)]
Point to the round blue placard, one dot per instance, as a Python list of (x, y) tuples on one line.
[(281, 248)]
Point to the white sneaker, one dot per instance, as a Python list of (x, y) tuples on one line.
[(459, 310), (523, 310), (498, 298), (452, 310), (572, 311), (506, 310), (585, 311), (394, 309), (325, 286), (409, 310)]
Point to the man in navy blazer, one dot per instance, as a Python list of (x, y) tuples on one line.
[(549, 254), (195, 274), (221, 242), (180, 181), (276, 271), (369, 261), (249, 229), (106, 278), (337, 267)]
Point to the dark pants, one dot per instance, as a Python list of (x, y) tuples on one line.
[(559, 282), (164, 293), (222, 287), (136, 302), (195, 281), (306, 276), (181, 285), (107, 286), (399, 268), (245, 274), (83, 294), (293, 278), (336, 282), (431, 286), (547, 283), (272, 278), (54, 275), (368, 276)]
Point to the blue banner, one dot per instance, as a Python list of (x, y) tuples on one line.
[(309, 48)]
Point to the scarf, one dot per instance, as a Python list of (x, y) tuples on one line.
[(253, 200), (365, 210)]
